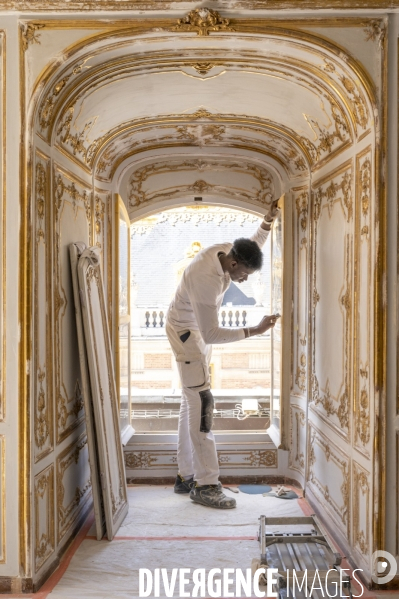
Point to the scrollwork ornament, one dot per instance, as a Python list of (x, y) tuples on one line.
[(202, 21), (376, 31), (363, 418), (357, 100), (30, 35), (302, 209)]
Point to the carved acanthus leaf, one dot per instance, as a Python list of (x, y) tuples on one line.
[(203, 21), (30, 35)]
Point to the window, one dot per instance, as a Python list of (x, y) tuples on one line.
[(162, 245)]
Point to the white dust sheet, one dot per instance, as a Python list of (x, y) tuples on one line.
[(110, 570)]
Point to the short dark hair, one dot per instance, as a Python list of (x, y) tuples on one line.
[(247, 252)]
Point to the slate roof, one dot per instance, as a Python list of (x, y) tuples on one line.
[(155, 253)]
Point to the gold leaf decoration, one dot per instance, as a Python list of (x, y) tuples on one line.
[(203, 21)]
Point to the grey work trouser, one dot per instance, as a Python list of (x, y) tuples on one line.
[(196, 450)]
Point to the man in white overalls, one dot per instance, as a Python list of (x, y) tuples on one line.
[(192, 326)]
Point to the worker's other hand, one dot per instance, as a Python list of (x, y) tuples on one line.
[(273, 211), (267, 323)]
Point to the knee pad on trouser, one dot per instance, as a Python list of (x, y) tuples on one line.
[(207, 405)]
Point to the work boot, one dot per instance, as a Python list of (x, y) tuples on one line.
[(212, 496), (183, 485)]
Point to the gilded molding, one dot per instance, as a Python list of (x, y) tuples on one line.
[(297, 424), (44, 516), (237, 459), (301, 203), (328, 407), (66, 190), (156, 5), (43, 391), (138, 196), (183, 134), (3, 521), (299, 290), (361, 492), (301, 373), (3, 205), (363, 279), (47, 106), (334, 457), (68, 514)]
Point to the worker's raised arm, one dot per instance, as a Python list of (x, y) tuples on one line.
[(263, 230)]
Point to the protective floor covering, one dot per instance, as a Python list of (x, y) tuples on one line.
[(164, 530), (193, 537)]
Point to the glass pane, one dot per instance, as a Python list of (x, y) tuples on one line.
[(124, 369), (124, 331), (123, 267), (240, 370), (277, 284)]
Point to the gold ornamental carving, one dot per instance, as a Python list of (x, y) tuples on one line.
[(68, 513), (99, 211), (44, 514), (46, 109), (41, 185), (43, 409), (202, 21), (202, 67), (139, 460), (364, 174), (376, 30), (296, 456), (266, 458), (330, 194), (42, 424), (300, 377), (363, 418), (358, 101), (138, 196), (302, 202), (330, 406), (69, 401), (30, 35), (361, 488)]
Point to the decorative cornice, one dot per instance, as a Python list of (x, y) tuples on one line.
[(156, 5)]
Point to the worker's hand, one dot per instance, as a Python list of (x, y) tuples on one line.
[(266, 323), (273, 211)]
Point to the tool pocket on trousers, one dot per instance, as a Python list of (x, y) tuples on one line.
[(207, 405), (193, 374)]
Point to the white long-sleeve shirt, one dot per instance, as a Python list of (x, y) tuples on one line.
[(200, 292)]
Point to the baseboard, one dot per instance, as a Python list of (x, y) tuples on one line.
[(15, 584), (390, 586), (227, 480), (55, 563)]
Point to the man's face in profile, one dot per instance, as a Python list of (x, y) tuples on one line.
[(239, 272)]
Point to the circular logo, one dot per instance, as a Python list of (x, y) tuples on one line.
[(384, 567)]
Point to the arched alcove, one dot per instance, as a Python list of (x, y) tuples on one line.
[(158, 114)]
